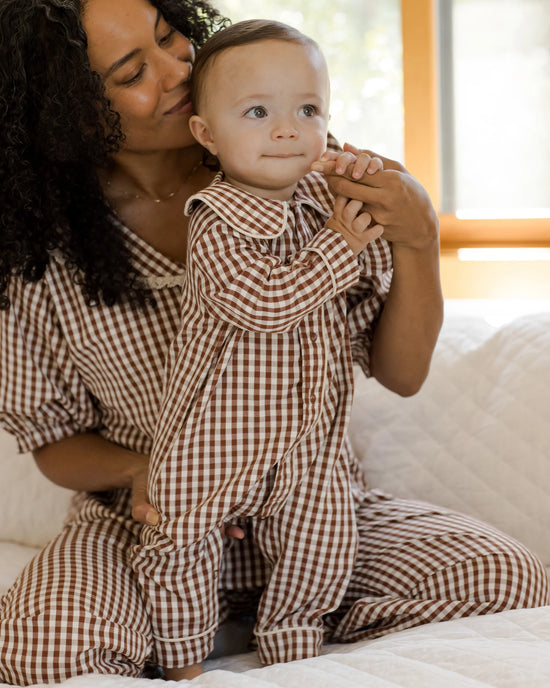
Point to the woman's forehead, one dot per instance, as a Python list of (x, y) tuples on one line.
[(116, 27)]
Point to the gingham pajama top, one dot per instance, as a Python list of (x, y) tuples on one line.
[(260, 376)]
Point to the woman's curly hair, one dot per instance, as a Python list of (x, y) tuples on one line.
[(56, 128)]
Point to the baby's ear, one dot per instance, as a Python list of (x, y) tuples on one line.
[(201, 132)]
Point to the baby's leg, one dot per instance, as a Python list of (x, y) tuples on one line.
[(311, 544), (178, 561), (180, 588)]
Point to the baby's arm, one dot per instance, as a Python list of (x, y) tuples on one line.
[(353, 224), (241, 282)]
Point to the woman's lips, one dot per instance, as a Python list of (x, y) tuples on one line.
[(182, 106)]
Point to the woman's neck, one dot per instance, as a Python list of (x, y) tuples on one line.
[(155, 177), (148, 193)]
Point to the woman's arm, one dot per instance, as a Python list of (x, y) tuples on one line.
[(407, 330), (91, 463)]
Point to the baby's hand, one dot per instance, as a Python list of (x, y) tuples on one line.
[(353, 164), (348, 220)]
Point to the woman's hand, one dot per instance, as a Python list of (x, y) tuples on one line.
[(90, 463), (145, 513), (392, 196), (142, 511), (407, 328)]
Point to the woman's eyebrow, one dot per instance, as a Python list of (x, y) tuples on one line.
[(121, 62), (126, 58)]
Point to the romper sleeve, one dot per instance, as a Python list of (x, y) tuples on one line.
[(366, 299), (242, 283), (42, 397)]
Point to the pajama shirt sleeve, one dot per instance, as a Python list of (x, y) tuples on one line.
[(42, 397)]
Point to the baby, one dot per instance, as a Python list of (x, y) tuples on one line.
[(259, 380)]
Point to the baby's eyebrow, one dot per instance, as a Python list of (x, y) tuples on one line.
[(255, 97)]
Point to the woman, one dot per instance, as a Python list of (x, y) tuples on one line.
[(97, 163)]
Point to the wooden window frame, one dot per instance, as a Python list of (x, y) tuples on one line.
[(422, 138)]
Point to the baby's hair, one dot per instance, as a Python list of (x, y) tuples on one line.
[(241, 33)]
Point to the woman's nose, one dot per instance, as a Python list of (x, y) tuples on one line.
[(175, 71)]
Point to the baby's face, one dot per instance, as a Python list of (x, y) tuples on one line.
[(267, 109)]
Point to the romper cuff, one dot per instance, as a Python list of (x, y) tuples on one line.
[(338, 258), (289, 644), (181, 652)]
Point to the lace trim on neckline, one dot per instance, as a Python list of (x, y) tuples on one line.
[(155, 282), (165, 281)]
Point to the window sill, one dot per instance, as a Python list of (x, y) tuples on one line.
[(457, 233)]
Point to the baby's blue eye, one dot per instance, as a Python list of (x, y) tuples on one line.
[(308, 110), (256, 112)]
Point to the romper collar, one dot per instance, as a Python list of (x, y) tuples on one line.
[(256, 217)]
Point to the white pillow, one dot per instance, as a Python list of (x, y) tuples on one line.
[(33, 508), (476, 438)]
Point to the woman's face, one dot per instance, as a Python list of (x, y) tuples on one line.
[(145, 65)]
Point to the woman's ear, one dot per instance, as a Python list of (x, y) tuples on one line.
[(201, 132)]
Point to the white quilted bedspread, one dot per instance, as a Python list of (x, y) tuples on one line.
[(507, 650)]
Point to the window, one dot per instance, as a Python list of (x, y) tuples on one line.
[(495, 60), (477, 112)]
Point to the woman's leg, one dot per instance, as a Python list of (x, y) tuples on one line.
[(76, 609), (418, 563)]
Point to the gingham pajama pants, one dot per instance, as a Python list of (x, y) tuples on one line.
[(76, 608)]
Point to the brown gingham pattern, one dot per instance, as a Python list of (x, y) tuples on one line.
[(76, 607), (259, 381)]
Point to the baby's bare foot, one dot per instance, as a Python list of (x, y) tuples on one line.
[(188, 672)]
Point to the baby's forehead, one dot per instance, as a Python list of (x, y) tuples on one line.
[(270, 51), (264, 66)]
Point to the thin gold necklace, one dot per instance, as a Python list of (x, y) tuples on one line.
[(132, 194)]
